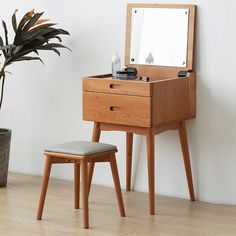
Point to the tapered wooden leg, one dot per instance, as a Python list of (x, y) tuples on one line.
[(129, 147), (84, 169), (151, 172), (116, 179), (187, 164), (76, 185), (46, 175), (95, 138)]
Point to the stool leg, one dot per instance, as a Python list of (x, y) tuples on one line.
[(76, 185), (116, 179), (95, 138), (47, 170), (90, 174), (84, 169)]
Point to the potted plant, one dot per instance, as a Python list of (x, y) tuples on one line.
[(32, 34)]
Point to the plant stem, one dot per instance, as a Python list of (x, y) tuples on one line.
[(2, 76)]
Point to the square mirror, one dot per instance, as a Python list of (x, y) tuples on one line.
[(160, 35)]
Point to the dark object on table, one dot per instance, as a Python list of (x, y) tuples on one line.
[(128, 73)]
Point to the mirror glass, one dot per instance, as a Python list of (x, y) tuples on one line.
[(159, 36)]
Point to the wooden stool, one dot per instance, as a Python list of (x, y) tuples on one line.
[(81, 153)]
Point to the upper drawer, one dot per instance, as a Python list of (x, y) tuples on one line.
[(117, 86)]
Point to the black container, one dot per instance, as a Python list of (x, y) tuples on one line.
[(5, 140)]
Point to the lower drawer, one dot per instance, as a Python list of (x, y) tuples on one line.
[(117, 109)]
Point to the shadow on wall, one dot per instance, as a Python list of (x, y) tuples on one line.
[(212, 145)]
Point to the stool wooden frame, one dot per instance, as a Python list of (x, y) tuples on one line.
[(80, 162)]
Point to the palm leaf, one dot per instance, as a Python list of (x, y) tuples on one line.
[(18, 55), (57, 37), (56, 45), (2, 44), (14, 23), (34, 33), (32, 21), (9, 46), (55, 33), (49, 49), (25, 18), (5, 31), (41, 21), (23, 21), (17, 49), (29, 59)]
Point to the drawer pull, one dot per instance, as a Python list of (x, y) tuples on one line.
[(115, 108), (114, 86)]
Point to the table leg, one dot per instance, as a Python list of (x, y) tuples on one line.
[(129, 148), (95, 138), (151, 171), (187, 164)]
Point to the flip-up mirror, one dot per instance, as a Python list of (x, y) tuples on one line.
[(160, 35)]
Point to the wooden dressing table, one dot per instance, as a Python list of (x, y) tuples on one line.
[(146, 108)]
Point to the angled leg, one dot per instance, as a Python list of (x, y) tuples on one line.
[(116, 179), (187, 164), (84, 169), (95, 138), (76, 185), (151, 172), (129, 147), (46, 175)]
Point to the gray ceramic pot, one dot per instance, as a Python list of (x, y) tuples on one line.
[(5, 140)]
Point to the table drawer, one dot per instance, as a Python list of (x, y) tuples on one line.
[(117, 86), (117, 109)]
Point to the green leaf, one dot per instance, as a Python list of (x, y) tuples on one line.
[(9, 46), (5, 31), (17, 49), (18, 55), (62, 31), (22, 53), (57, 37), (13, 19), (1, 41), (29, 59), (54, 33), (31, 35), (2, 44), (32, 21), (36, 51), (23, 21), (49, 49), (56, 45)]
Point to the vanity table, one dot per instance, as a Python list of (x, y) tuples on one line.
[(160, 98)]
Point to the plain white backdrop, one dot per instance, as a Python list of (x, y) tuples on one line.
[(43, 103)]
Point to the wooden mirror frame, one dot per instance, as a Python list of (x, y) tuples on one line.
[(163, 71)]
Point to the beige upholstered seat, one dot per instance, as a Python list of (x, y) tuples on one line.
[(81, 148)]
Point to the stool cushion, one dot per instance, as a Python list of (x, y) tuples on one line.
[(81, 148)]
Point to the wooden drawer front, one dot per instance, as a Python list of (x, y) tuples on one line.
[(117, 86), (117, 109)]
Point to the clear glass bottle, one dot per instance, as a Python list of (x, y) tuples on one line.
[(115, 64)]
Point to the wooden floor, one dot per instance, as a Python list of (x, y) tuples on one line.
[(18, 204)]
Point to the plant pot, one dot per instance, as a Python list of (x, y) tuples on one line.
[(5, 139)]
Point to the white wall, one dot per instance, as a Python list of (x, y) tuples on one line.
[(43, 103)]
